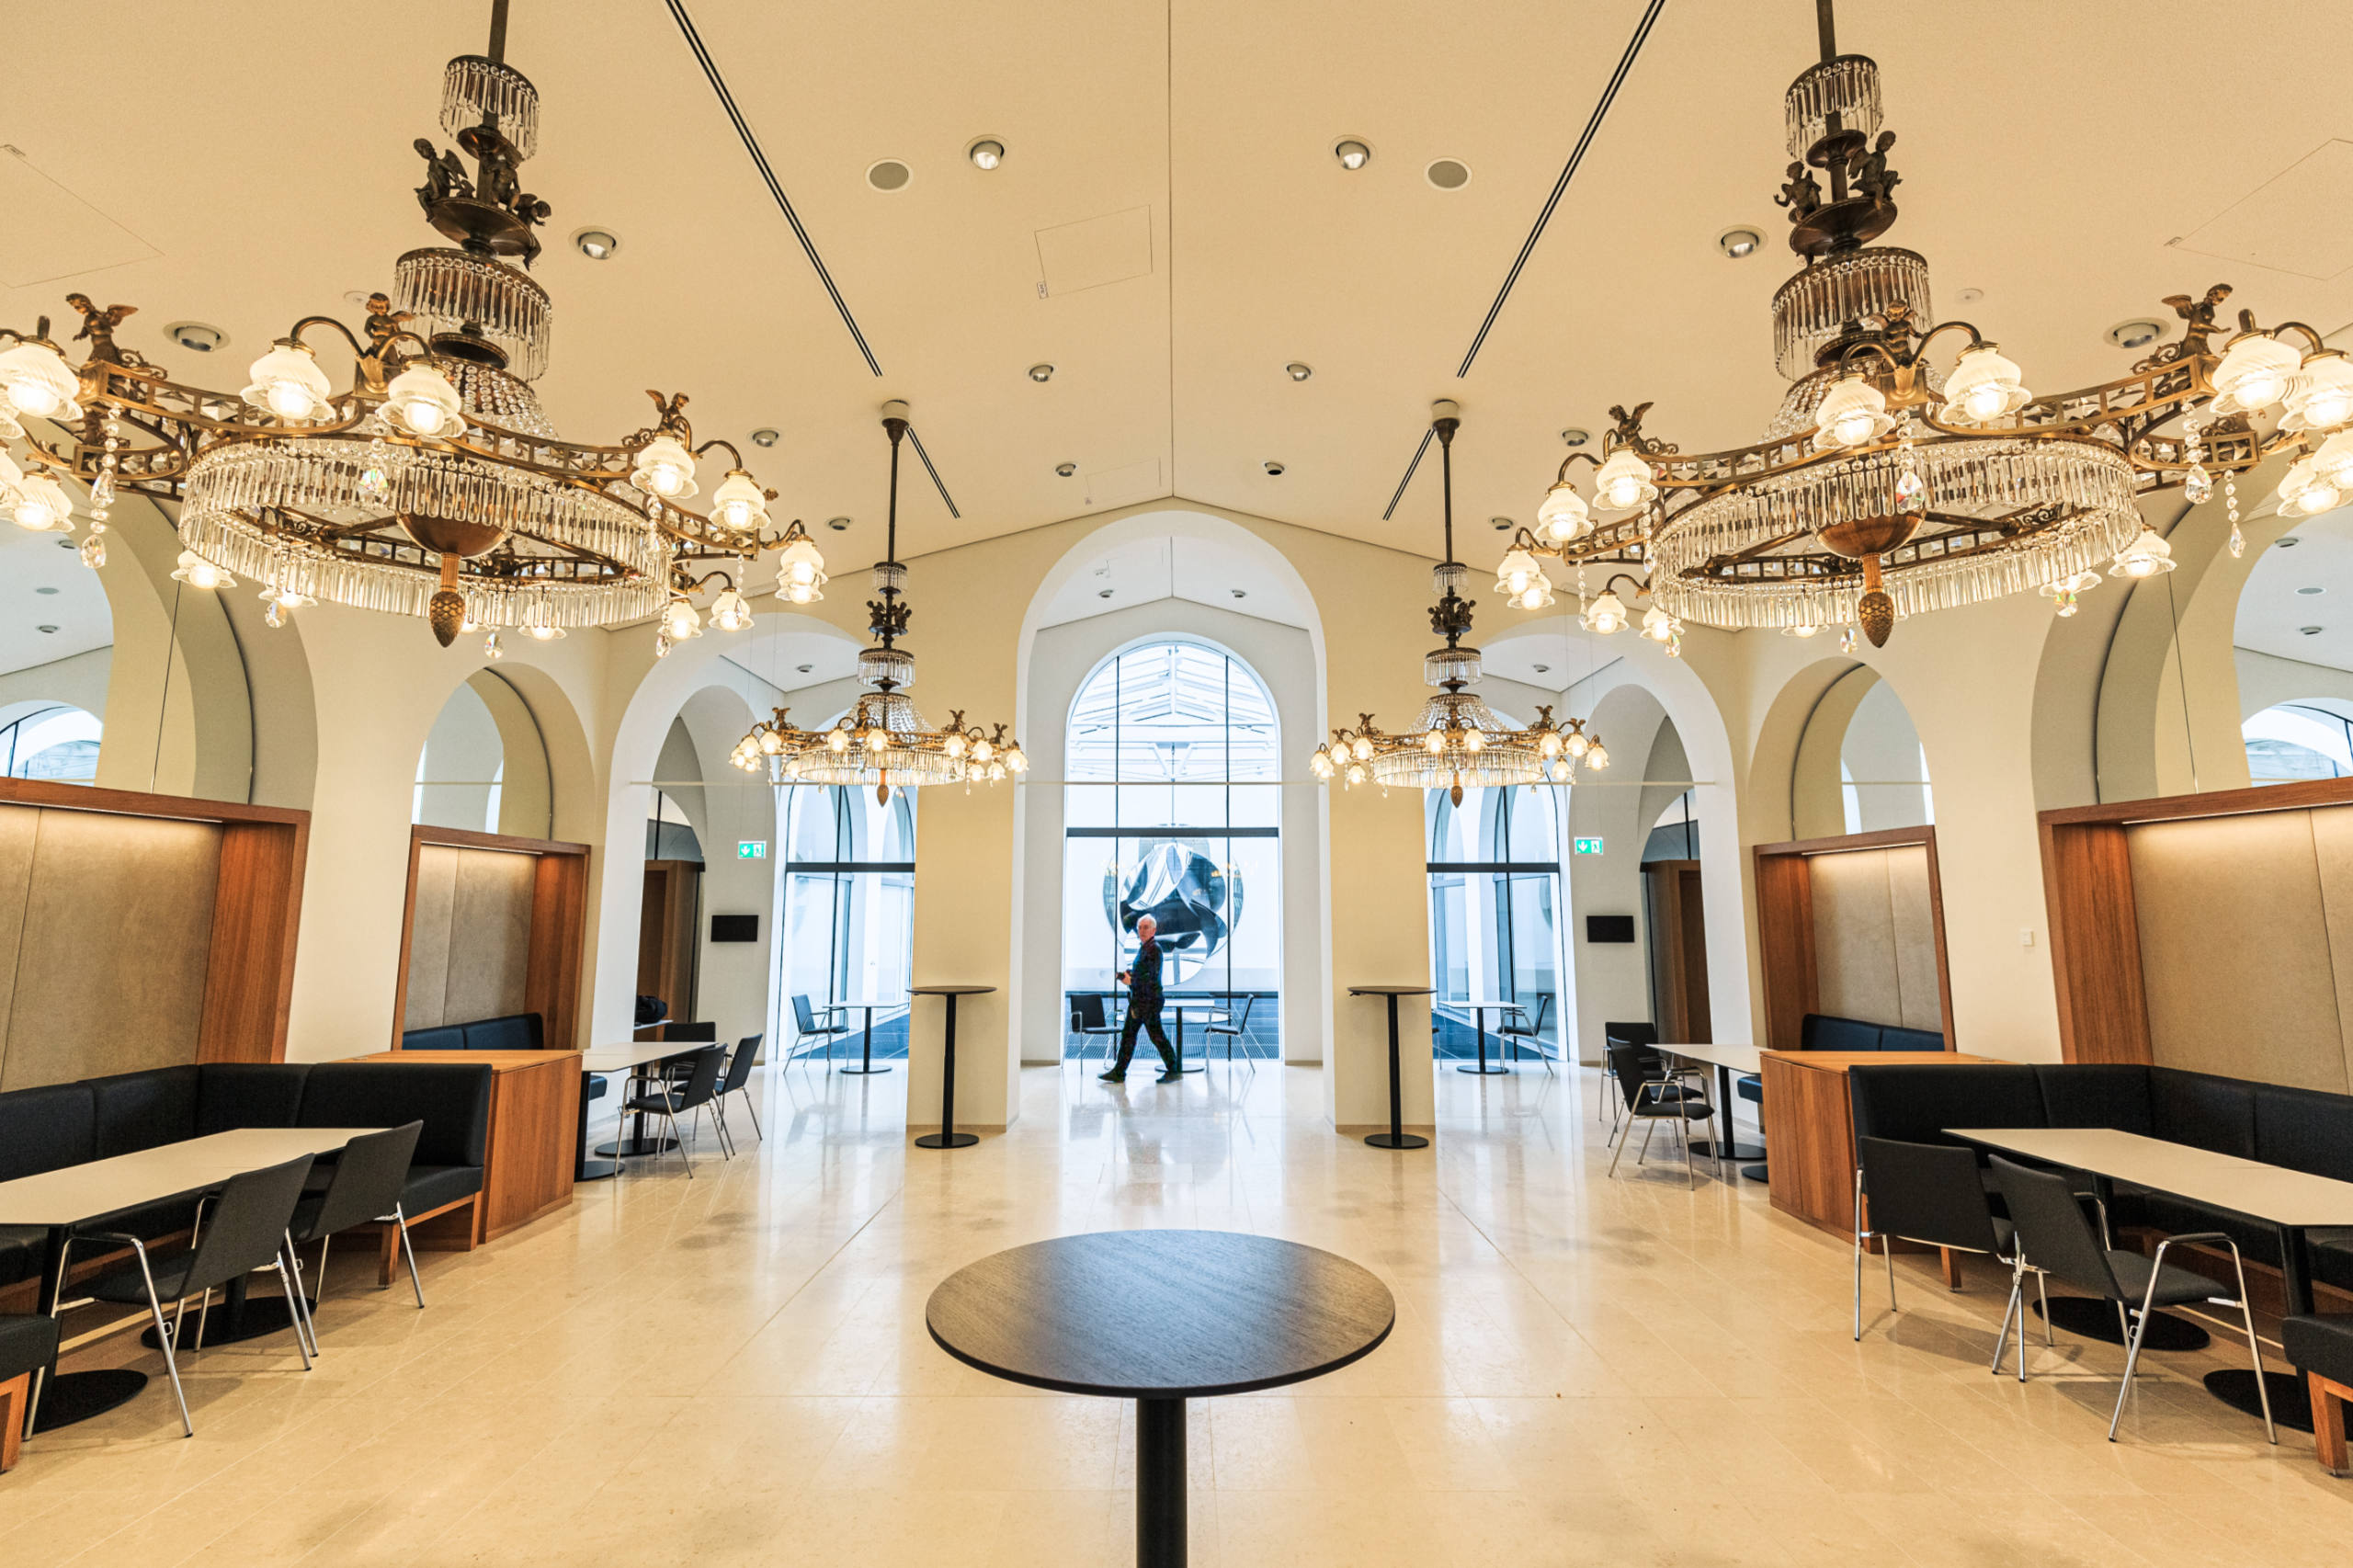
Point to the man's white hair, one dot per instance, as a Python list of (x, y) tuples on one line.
[(1144, 920)]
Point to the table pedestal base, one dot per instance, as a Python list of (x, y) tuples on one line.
[(2089, 1319), (1396, 1140), (1160, 1484), (1483, 1069), (1705, 1148), (637, 1148), (1755, 1173), (861, 1072), (2291, 1397), (596, 1170), (948, 1140), (69, 1397)]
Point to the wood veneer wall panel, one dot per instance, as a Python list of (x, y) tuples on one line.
[(257, 913), (1785, 944), (19, 831), (559, 930), (2095, 940), (2234, 949)]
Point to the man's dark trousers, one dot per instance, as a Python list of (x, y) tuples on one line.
[(1146, 1018)]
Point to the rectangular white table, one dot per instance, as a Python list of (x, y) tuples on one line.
[(84, 1195), (1726, 1060), (631, 1057)]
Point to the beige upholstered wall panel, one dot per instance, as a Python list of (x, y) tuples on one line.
[(470, 942), (111, 957), (1854, 936), (1914, 917), (428, 943), (2235, 948), (2332, 851), (490, 934), (19, 830)]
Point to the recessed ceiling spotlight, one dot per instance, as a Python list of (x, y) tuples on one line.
[(1353, 154), (804, 669), (1042, 372), (1574, 436), (44, 590), (1103, 593), (986, 153), (2138, 333), (839, 525), (1969, 296), (66, 544), (1447, 174), (2307, 631), (45, 630), (1065, 470), (596, 244), (196, 336), (2307, 591), (1739, 243), (1543, 670), (1502, 524), (889, 173), (356, 297), (1299, 370), (2288, 542), (765, 437), (1238, 592), (1275, 470)]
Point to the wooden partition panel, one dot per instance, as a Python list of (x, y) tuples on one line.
[(1785, 928), (559, 909)]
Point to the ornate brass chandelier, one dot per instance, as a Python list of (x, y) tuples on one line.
[(1887, 485), (1460, 742), (432, 486), (882, 740)]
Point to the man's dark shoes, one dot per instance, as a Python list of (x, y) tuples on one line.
[(1113, 1077), (1170, 1078)]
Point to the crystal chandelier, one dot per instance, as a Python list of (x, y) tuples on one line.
[(1887, 485), (1459, 742), (882, 740), (432, 486)]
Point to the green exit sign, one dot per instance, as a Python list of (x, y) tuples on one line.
[(1588, 845), (758, 848)]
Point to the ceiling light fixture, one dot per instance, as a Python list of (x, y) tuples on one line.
[(888, 175), (1576, 436), (432, 486), (1274, 468), (1739, 243), (882, 740), (1065, 470), (986, 153), (596, 244), (1460, 742), (1447, 174), (1353, 154), (839, 525), (2285, 542), (1298, 370), (2138, 333), (2309, 631), (1887, 485), (1042, 372), (196, 336), (2307, 591), (765, 437), (1240, 593)]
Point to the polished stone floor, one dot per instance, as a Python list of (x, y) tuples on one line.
[(735, 1370)]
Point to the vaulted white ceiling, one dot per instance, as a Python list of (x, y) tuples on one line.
[(259, 159)]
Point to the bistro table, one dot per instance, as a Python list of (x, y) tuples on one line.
[(2289, 1201), (1226, 1314), (1479, 1011), (866, 1046), (631, 1059), (946, 1137), (1726, 1060), (84, 1196), (1397, 1137)]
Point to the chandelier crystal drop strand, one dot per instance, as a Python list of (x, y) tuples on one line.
[(1889, 485), (434, 486), (1459, 742), (882, 741)]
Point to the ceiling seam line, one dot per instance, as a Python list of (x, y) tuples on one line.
[(1399, 493), (936, 482), (1559, 187), (768, 177)]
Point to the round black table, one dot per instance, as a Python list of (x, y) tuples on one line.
[(946, 1137), (1397, 1137), (1214, 1313), (865, 1047)]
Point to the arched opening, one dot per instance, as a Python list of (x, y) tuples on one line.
[(54, 741), (1861, 766), (2311, 738), (1495, 871), (483, 767), (1172, 763), (846, 903)]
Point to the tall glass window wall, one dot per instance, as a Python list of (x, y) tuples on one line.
[(59, 742), (1495, 869), (846, 907), (1172, 807)]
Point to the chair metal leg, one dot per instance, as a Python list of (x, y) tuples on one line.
[(1859, 1263), (1650, 1125), (752, 1108), (286, 1283), (2009, 1309), (400, 1218), (298, 1304), (203, 1316), (1621, 1138), (1887, 1248), (685, 1158), (1683, 1136), (2042, 1286), (2131, 1358), (2254, 1356), (163, 1338)]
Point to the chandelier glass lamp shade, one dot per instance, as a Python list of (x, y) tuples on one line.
[(882, 741), (1458, 742), (1909, 467), (430, 484)]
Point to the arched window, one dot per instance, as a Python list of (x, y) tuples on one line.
[(483, 767), (55, 741), (1494, 870), (2311, 738), (847, 905), (1172, 807)]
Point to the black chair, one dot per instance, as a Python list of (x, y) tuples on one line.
[(656, 1099), (1235, 1028), (2054, 1236), (363, 1185), (738, 1075), (806, 1027), (1930, 1193), (1643, 1038), (28, 1351), (1516, 1027), (245, 1230), (1091, 1015), (1650, 1101)]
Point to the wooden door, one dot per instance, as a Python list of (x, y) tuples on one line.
[(665, 935), (1679, 951)]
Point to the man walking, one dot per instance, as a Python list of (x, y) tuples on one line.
[(1144, 1008)]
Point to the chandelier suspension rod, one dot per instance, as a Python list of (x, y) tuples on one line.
[(898, 429), (1826, 24), (1445, 428), (498, 51)]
